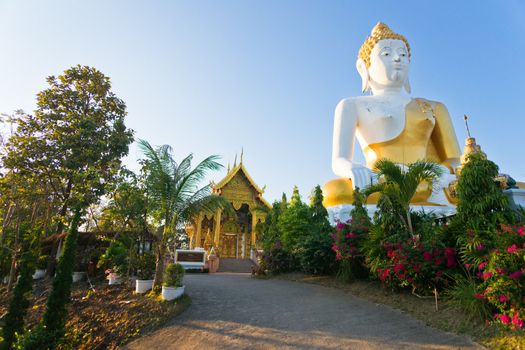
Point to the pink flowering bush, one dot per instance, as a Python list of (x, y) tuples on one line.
[(501, 277), (420, 266), (347, 244)]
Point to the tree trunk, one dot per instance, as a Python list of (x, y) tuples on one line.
[(409, 222), (51, 262), (160, 252)]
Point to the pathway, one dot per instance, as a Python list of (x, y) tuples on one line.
[(236, 311)]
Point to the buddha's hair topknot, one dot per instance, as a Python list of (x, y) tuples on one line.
[(381, 31)]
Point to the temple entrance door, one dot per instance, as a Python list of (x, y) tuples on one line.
[(229, 245)]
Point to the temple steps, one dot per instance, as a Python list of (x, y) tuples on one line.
[(235, 265)]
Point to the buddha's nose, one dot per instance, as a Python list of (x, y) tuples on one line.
[(397, 58)]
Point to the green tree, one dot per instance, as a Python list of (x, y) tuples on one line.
[(74, 141), (174, 195), (73, 144), (482, 204), (397, 186), (294, 222)]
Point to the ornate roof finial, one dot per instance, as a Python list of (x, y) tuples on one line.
[(465, 118), (228, 168), (242, 152), (235, 162), (381, 31)]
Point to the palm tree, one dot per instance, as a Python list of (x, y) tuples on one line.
[(397, 186), (174, 195)]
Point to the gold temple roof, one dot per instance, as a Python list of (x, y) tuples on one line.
[(231, 174)]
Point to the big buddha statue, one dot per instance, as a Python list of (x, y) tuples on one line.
[(389, 123)]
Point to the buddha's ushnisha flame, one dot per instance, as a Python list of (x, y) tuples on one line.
[(380, 32)]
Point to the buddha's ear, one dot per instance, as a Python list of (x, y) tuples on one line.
[(408, 89), (363, 72)]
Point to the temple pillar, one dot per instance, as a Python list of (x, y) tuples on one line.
[(254, 223), (217, 236), (198, 231)]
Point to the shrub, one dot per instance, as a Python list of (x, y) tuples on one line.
[(314, 253), (278, 259), (173, 275), (42, 262), (116, 257), (145, 265), (501, 277)]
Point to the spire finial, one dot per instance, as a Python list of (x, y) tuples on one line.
[(235, 162), (242, 153), (466, 124), (228, 167)]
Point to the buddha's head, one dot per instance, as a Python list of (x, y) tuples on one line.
[(384, 59)]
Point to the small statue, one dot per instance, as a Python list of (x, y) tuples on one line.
[(389, 123)]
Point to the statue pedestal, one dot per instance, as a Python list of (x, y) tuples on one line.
[(516, 197), (341, 212)]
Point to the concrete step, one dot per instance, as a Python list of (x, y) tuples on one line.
[(235, 265)]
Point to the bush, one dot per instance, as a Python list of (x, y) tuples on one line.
[(314, 253), (173, 275), (279, 260), (42, 262), (145, 265), (501, 277), (116, 257)]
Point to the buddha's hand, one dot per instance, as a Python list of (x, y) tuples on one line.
[(362, 177)]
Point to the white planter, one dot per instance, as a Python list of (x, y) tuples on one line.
[(113, 279), (171, 293), (39, 273), (142, 286), (78, 276)]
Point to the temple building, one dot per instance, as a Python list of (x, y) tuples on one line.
[(232, 236)]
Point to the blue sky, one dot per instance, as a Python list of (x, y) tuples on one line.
[(211, 77)]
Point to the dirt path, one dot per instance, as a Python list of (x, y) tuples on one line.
[(235, 311)]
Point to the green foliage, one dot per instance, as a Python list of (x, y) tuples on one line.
[(116, 256), (174, 275), (42, 262), (278, 259), (173, 194), (397, 187), (462, 295), (271, 227), (294, 222), (314, 253), (76, 138), (52, 328), (14, 320), (145, 265)]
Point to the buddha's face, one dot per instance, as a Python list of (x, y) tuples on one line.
[(389, 63)]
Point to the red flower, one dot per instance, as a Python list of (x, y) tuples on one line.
[(517, 321), (340, 226), (503, 298), (427, 256), (399, 267), (512, 249), (487, 275), (480, 247), (479, 296), (482, 265), (521, 230), (516, 274), (500, 271), (504, 319)]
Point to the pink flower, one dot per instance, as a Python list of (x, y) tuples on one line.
[(503, 298), (487, 275), (500, 271), (479, 296), (340, 226), (521, 232), (516, 274), (517, 321), (504, 319), (427, 256), (399, 267), (350, 235), (480, 247), (512, 249), (482, 265)]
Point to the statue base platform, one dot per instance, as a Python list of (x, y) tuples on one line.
[(516, 197), (341, 212)]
